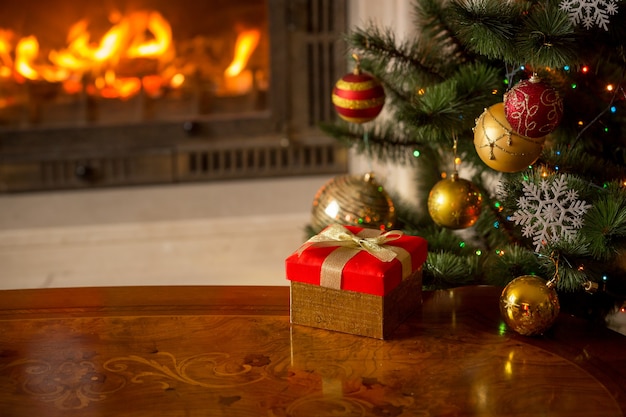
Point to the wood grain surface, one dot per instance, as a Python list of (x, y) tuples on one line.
[(231, 351)]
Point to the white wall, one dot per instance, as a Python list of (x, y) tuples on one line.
[(400, 181), (217, 233)]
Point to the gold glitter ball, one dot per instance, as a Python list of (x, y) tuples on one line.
[(353, 200), (455, 203), (528, 305)]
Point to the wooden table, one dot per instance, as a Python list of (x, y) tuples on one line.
[(230, 351)]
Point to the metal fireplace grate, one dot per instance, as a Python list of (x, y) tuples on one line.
[(246, 159), (254, 159)]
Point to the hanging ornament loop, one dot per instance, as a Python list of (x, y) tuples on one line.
[(554, 259), (457, 160), (555, 278), (357, 64)]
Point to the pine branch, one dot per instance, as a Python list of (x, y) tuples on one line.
[(444, 270), (441, 110), (381, 55), (546, 38), (433, 17), (510, 262), (543, 35), (591, 167), (384, 142), (605, 224), (487, 27)]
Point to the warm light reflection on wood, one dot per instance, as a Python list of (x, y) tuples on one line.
[(146, 351)]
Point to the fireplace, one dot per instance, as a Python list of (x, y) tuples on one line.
[(151, 91)]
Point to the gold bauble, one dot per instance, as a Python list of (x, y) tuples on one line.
[(499, 146), (454, 203), (353, 200), (529, 305)]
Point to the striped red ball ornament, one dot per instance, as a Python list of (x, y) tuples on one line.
[(358, 97)]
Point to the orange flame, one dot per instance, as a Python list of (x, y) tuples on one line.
[(6, 62), (162, 32), (25, 53), (140, 34), (97, 64), (245, 45)]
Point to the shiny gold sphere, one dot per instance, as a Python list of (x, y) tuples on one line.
[(353, 200), (499, 147), (528, 305), (454, 203)]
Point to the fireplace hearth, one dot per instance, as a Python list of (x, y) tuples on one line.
[(144, 92)]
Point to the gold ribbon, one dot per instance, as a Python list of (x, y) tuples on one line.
[(337, 235), (349, 244)]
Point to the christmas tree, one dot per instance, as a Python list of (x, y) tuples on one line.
[(553, 199)]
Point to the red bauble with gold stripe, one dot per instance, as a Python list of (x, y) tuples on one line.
[(358, 97)]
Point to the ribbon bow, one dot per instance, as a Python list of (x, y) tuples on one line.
[(337, 235)]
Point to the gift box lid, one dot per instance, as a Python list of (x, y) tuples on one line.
[(359, 270)]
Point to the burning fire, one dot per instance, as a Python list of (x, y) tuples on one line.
[(135, 54), (247, 42), (235, 78)]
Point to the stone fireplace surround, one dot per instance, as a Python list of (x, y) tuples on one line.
[(234, 232)]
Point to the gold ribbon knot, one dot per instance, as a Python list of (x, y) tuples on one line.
[(337, 235)]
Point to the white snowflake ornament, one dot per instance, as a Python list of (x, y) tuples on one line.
[(589, 12), (549, 213)]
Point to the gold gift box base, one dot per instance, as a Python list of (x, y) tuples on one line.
[(354, 312)]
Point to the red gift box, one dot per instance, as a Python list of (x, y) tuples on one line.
[(360, 269)]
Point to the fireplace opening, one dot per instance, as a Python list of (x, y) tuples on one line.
[(126, 63), (153, 91)]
